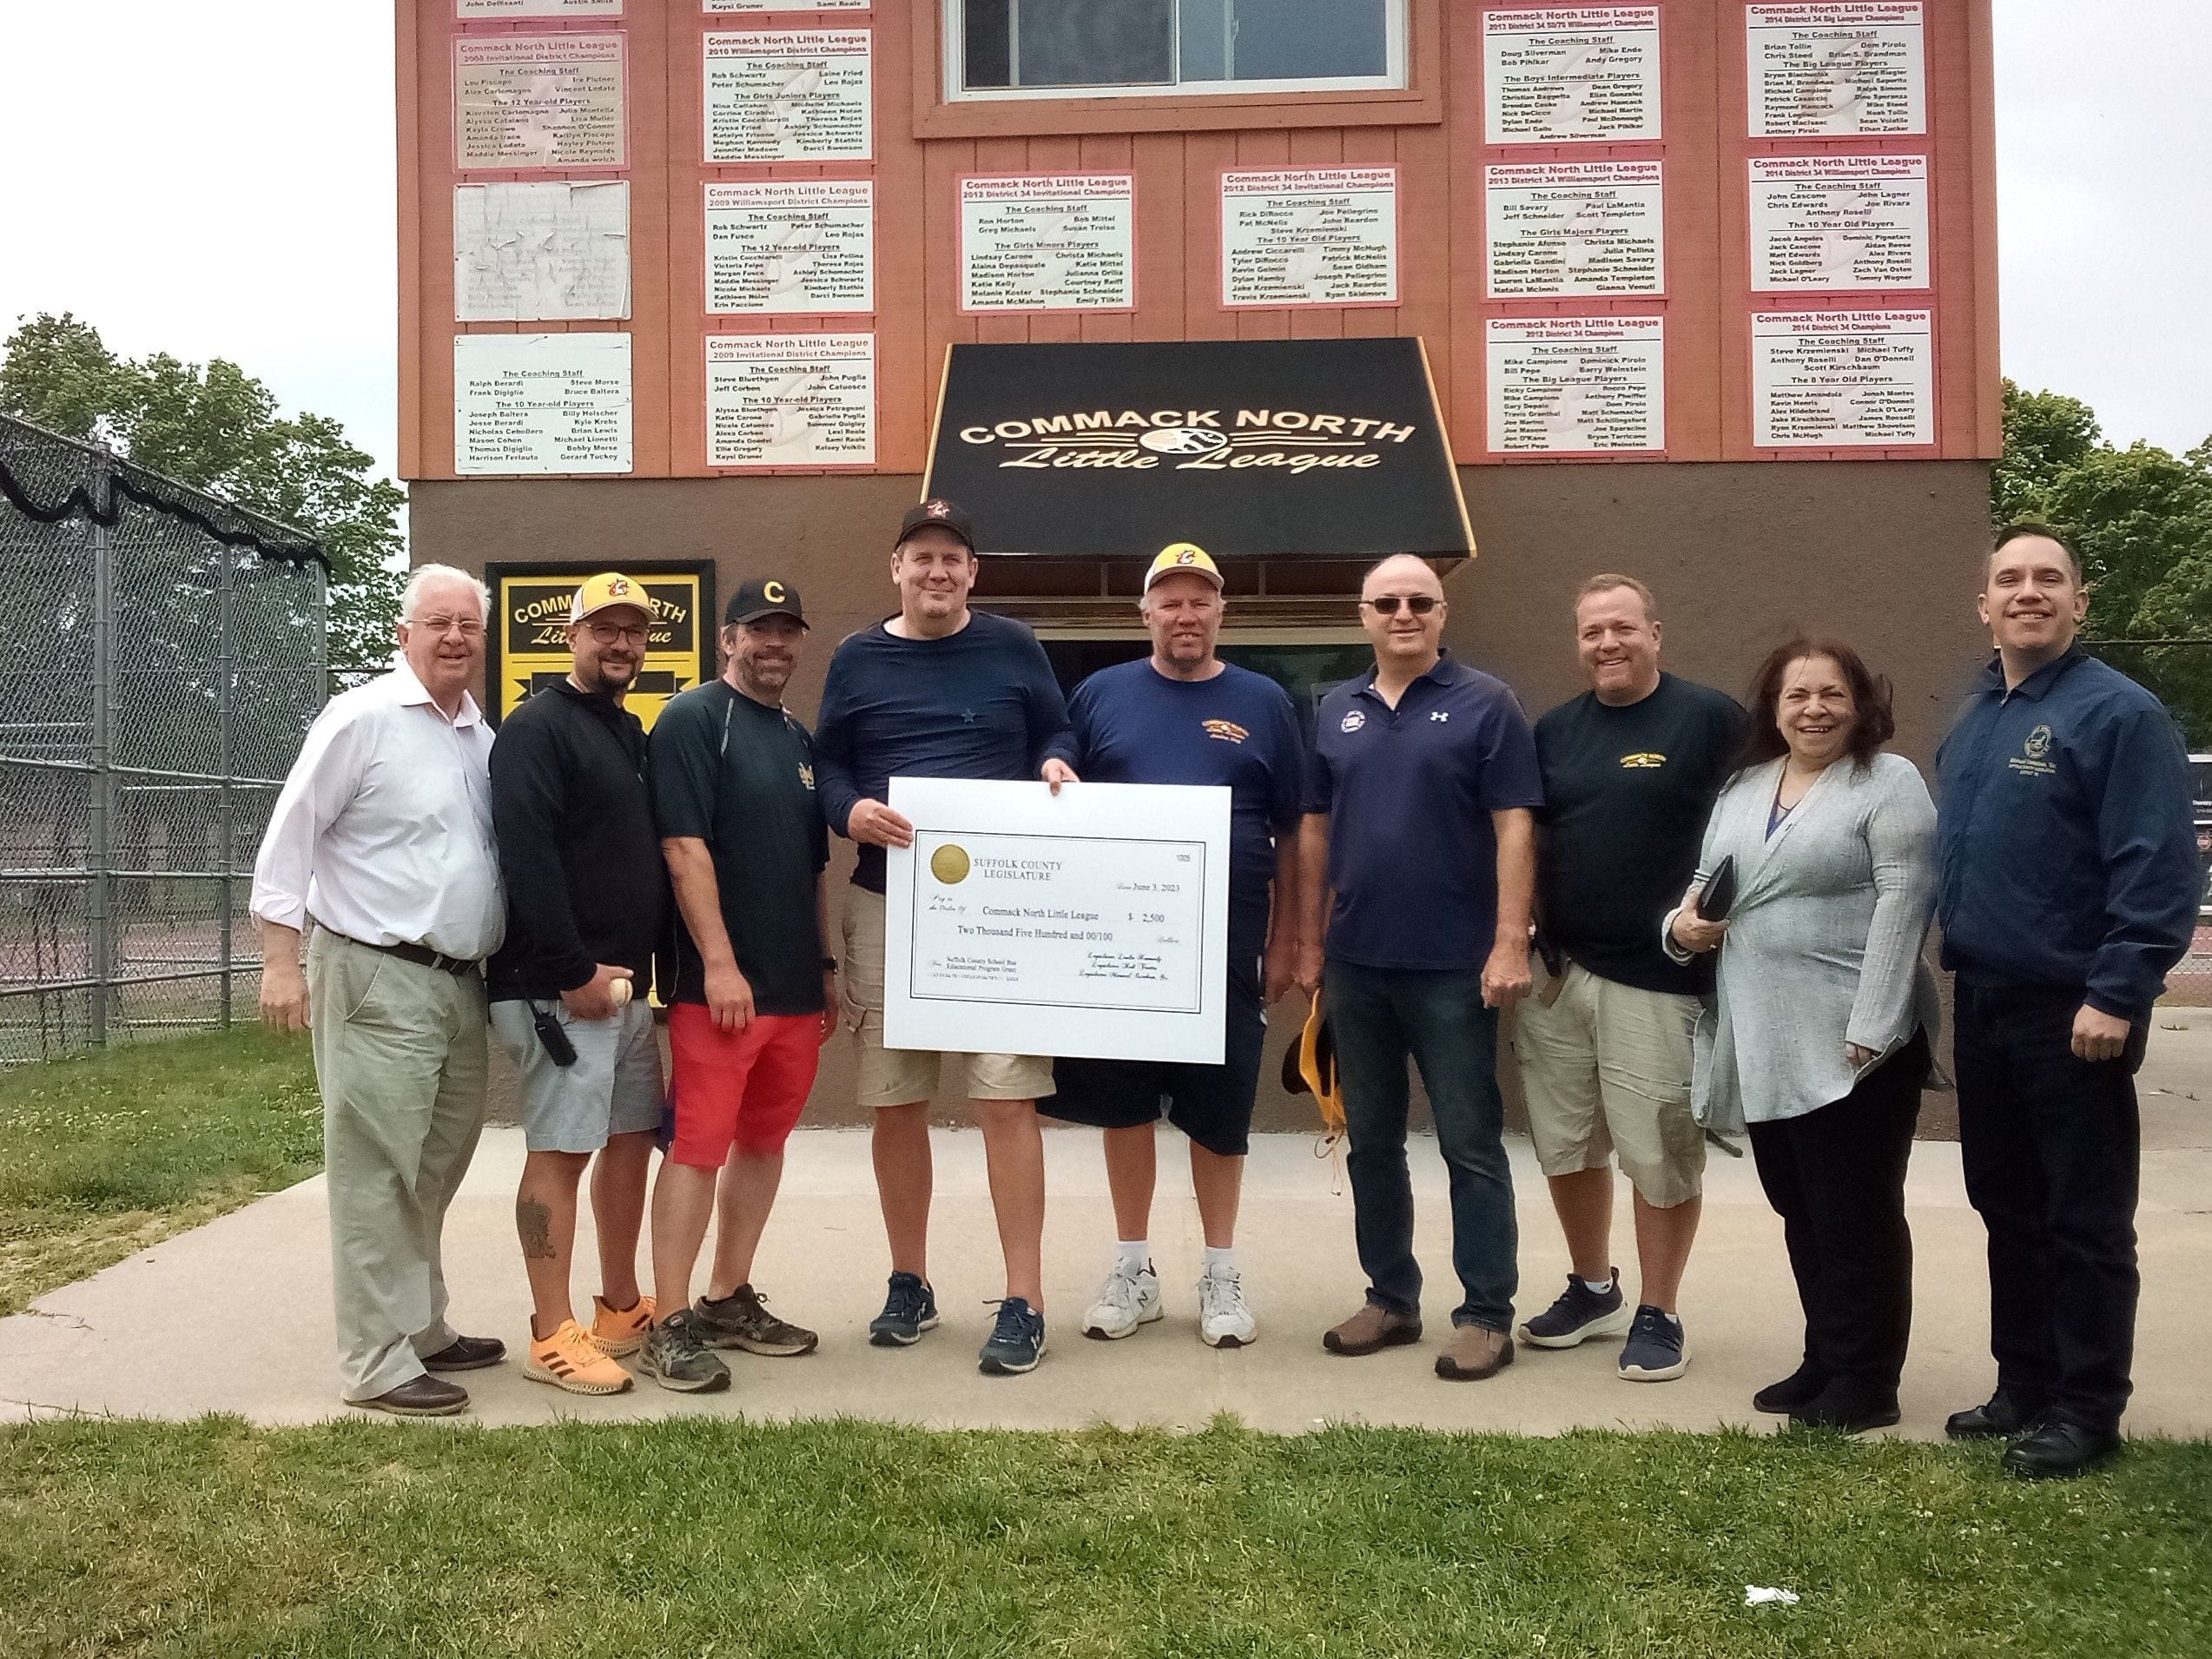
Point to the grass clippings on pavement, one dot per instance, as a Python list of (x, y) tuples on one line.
[(843, 1539), (103, 1155)]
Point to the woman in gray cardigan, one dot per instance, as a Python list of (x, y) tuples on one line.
[(1819, 1044)]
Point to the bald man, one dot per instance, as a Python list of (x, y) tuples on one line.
[(1420, 806)]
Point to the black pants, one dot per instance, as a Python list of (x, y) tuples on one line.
[(2050, 1147), (1836, 1177)]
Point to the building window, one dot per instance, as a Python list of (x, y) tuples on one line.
[(1078, 49)]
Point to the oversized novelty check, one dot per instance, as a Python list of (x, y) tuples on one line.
[(1092, 923)]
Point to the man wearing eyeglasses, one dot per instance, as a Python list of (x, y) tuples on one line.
[(586, 895), (382, 838), (1417, 855)]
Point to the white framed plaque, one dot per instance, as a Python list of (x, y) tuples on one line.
[(790, 245), (541, 250), (793, 95), (502, 8), (1092, 923), (1562, 74), (790, 400), (523, 101), (1576, 386), (1575, 229), (1842, 70), (1316, 235), (1843, 378), (541, 403), (1061, 241), (1839, 222)]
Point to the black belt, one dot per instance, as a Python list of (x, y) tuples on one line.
[(422, 955)]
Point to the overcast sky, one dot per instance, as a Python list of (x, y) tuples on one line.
[(216, 179)]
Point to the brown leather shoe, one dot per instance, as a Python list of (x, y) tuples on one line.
[(418, 1397), (1372, 1329), (1474, 1353), (466, 1353)]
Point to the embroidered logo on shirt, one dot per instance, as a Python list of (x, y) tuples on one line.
[(1227, 730), (1352, 720), (1643, 761), (967, 717), (2030, 762), (1440, 714), (806, 775)]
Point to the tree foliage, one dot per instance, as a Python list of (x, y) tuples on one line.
[(217, 428), (2142, 519)]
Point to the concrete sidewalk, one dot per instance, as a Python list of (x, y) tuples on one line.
[(236, 1316)]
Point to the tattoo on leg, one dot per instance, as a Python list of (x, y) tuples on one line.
[(535, 1223)]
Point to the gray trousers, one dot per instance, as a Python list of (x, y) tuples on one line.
[(399, 1054)]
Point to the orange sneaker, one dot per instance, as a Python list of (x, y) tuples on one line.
[(621, 1331), (572, 1360)]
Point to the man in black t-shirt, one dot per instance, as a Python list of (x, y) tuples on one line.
[(1630, 770), (751, 986)]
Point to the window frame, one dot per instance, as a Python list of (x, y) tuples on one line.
[(1396, 76), (1419, 102)]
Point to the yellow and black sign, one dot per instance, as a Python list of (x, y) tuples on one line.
[(528, 647)]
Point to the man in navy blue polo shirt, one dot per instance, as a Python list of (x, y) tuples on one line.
[(2067, 886), (1183, 716), (1421, 803)]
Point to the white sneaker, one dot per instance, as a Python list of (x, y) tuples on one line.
[(1124, 1302), (1224, 1319)]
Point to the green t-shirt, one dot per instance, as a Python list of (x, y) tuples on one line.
[(739, 776)]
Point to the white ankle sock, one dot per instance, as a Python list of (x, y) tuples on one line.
[(1225, 1259), (1598, 1286), (1136, 1254)]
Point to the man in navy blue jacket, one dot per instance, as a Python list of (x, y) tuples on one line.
[(2068, 883)]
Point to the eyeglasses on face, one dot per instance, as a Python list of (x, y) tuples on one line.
[(1386, 605), (467, 627), (607, 633)]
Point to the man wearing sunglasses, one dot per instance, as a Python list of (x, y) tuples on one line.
[(1418, 858), (587, 897)]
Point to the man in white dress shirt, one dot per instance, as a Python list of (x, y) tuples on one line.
[(381, 839)]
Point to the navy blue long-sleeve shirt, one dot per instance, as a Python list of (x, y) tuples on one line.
[(981, 703), (2066, 852)]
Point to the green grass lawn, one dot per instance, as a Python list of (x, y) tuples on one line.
[(104, 1155), (843, 1539)]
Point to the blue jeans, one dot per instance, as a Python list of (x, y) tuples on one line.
[(1380, 1017)]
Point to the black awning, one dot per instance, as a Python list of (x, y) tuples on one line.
[(1251, 448)]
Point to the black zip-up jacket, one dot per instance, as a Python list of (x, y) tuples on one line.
[(577, 850)]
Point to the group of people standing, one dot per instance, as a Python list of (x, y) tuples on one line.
[(1425, 862)]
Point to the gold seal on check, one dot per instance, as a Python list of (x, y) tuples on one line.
[(949, 865)]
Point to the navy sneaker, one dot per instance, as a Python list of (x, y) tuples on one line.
[(910, 1309), (1578, 1314), (1017, 1340), (1655, 1352)]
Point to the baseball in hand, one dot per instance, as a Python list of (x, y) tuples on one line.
[(619, 991)]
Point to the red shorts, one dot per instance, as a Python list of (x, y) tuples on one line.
[(743, 1088)]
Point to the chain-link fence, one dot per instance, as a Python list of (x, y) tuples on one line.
[(167, 660)]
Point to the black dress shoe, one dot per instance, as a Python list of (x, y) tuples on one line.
[(2000, 1418), (1852, 1407), (466, 1353), (418, 1397), (1801, 1387), (2059, 1449)]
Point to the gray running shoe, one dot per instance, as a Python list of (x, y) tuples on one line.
[(1655, 1352), (676, 1357), (1578, 1314), (738, 1320)]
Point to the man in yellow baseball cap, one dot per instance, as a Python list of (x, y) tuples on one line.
[(1179, 556)]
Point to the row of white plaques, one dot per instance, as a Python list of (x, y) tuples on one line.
[(1552, 75), (1557, 386), (558, 251)]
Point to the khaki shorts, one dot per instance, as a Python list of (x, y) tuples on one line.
[(1605, 1069), (902, 1076)]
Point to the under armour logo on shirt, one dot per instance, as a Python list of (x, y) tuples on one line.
[(1440, 714)]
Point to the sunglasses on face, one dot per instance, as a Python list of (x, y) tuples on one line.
[(1387, 606)]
